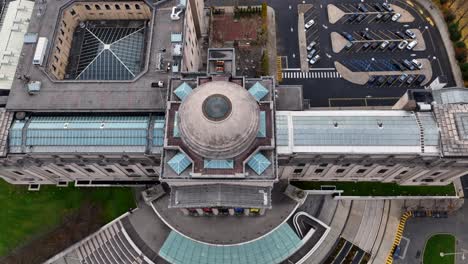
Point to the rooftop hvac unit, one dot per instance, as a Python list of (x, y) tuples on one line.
[(34, 87), (423, 107)]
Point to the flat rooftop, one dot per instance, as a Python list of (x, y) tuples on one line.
[(96, 96)]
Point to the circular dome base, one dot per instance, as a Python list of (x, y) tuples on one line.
[(219, 120)]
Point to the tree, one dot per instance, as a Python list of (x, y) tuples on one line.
[(443, 2), (460, 44), (464, 67), (460, 54)]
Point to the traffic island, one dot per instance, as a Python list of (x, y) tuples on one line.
[(440, 249)]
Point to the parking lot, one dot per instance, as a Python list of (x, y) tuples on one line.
[(374, 47), (323, 84)]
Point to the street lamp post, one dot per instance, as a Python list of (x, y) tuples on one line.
[(443, 254)]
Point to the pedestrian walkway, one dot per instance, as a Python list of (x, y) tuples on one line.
[(310, 75)]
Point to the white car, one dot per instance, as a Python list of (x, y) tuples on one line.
[(396, 16), (403, 44), (412, 44), (311, 45), (410, 34), (417, 63), (315, 59), (309, 24)]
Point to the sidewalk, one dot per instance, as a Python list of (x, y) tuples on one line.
[(439, 21)]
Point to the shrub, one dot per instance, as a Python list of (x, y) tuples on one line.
[(460, 44), (455, 34), (465, 75), (443, 2), (460, 54), (264, 11), (464, 67), (449, 16), (265, 63)]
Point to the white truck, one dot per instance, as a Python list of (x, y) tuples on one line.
[(41, 49)]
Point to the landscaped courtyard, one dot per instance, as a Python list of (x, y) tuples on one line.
[(43, 222), (435, 245)]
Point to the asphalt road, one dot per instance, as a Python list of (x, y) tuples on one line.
[(323, 90)]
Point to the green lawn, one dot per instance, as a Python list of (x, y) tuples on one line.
[(25, 214), (436, 244), (378, 188)]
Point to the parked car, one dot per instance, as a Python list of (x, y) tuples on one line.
[(392, 46), (387, 7), (410, 34), (384, 44), (403, 44), (408, 64), (311, 45), (366, 35), (378, 7), (311, 54), (363, 8), (352, 17), (420, 79), (375, 45), (347, 36), (399, 66), (372, 79), (386, 17), (390, 80), (400, 34), (309, 24), (396, 16), (366, 46), (381, 80), (379, 16), (410, 80), (417, 63), (403, 77), (360, 18), (349, 45), (315, 59), (412, 44)]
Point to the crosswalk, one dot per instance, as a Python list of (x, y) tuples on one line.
[(311, 75)]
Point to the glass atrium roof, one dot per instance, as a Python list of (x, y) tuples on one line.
[(218, 164), (272, 248), (258, 91), (179, 163), (111, 53), (183, 90), (259, 163), (262, 127)]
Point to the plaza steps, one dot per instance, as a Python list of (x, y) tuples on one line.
[(109, 245)]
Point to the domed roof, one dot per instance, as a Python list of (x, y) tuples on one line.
[(219, 120)]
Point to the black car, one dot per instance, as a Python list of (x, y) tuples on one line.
[(420, 79), (366, 46), (363, 8), (352, 17), (390, 80), (347, 36), (392, 46), (381, 80), (386, 17), (372, 79), (360, 18), (400, 34), (399, 66), (375, 45), (378, 7), (366, 35)]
